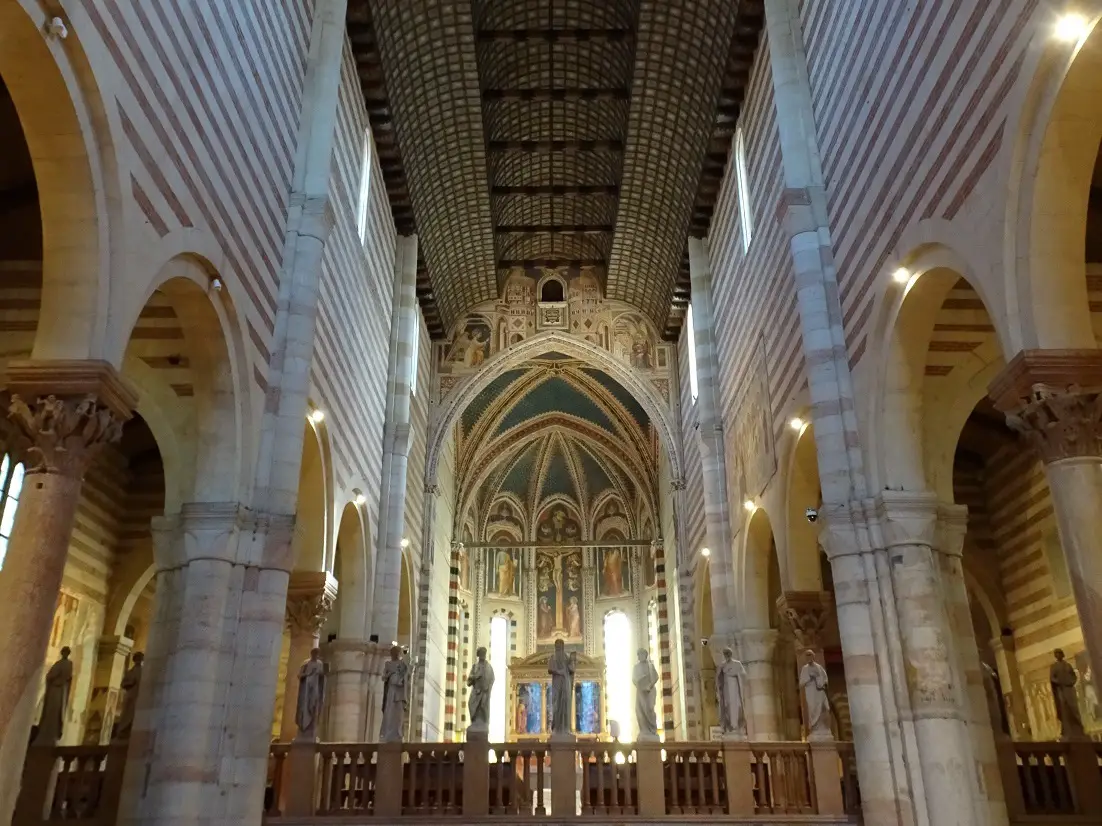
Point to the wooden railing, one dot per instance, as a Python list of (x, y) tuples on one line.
[(71, 783), (1052, 780)]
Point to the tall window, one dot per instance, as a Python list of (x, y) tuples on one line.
[(416, 352), (745, 210), (11, 484), (499, 661), (365, 188), (619, 662), (690, 344)]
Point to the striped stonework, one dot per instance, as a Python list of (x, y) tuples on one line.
[(453, 676), (664, 649)]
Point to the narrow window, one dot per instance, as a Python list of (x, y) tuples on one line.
[(416, 352), (365, 188), (499, 661), (745, 210), (690, 343), (619, 663), (11, 484)]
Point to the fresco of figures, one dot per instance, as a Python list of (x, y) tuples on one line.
[(503, 573), (494, 326), (559, 596)]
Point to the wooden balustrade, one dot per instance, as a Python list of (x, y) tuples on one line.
[(71, 783), (1051, 780)]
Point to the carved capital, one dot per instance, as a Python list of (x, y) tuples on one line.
[(457, 546), (907, 517), (806, 613), (677, 484), (432, 490), (65, 412), (310, 596)]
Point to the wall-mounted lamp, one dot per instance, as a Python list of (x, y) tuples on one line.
[(796, 423), (316, 416), (901, 275), (749, 505), (361, 500), (705, 552), (1071, 27), (405, 542)]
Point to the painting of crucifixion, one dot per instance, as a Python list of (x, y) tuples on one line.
[(559, 595)]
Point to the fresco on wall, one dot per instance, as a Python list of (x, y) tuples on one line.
[(499, 324), (503, 573), (529, 709), (613, 572), (557, 524), (650, 571), (559, 597), (750, 450), (463, 561)]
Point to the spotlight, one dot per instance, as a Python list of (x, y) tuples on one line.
[(749, 505), (405, 542), (796, 423), (361, 499), (316, 416), (901, 276), (705, 552), (1071, 28)]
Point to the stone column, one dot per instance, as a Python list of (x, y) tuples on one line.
[(64, 411), (375, 657), (346, 701), (310, 596), (111, 655), (806, 614), (1054, 398), (1006, 660), (756, 649)]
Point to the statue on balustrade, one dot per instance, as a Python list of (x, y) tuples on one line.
[(131, 682), (1062, 678), (730, 683), (311, 696), (561, 667), (56, 701), (395, 699), (813, 682), (645, 678), (481, 683)]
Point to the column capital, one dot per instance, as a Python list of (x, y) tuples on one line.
[(114, 645), (893, 518), (310, 597), (65, 411), (1054, 399), (227, 531), (806, 613)]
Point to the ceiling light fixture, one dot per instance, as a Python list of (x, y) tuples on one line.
[(796, 423), (1071, 27)]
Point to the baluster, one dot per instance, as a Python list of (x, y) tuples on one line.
[(499, 791), (717, 802)]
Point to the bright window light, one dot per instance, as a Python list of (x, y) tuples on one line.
[(413, 356), (690, 343), (745, 209), (365, 188), (11, 484), (499, 661), (620, 661)]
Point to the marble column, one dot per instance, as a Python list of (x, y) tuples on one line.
[(111, 655), (310, 596), (375, 657), (806, 614), (1054, 398), (345, 707), (756, 649), (64, 412), (1006, 660)]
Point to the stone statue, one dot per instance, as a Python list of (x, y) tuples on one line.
[(813, 682), (645, 678), (395, 675), (131, 682), (730, 678), (561, 668), (481, 683), (311, 696), (1062, 678), (56, 701)]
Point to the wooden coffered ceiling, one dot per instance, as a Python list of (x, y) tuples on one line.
[(554, 133)]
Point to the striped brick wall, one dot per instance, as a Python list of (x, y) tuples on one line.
[(693, 518), (453, 676), (351, 351), (207, 98), (418, 452), (909, 105)]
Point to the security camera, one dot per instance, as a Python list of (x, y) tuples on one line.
[(704, 642), (812, 515), (56, 27)]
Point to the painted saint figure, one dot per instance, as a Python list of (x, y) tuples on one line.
[(645, 678), (813, 682), (614, 573), (730, 677), (561, 668), (395, 674), (545, 623), (481, 682), (56, 700), (311, 696), (574, 618), (506, 573), (1062, 678), (131, 683)]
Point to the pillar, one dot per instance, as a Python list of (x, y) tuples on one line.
[(346, 705), (1006, 660), (111, 654), (1054, 398), (756, 649), (806, 614), (375, 657), (64, 412), (310, 596)]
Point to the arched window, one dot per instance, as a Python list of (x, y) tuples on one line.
[(415, 354), (552, 290), (499, 661), (690, 344), (745, 209), (11, 484), (619, 663), (365, 189)]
